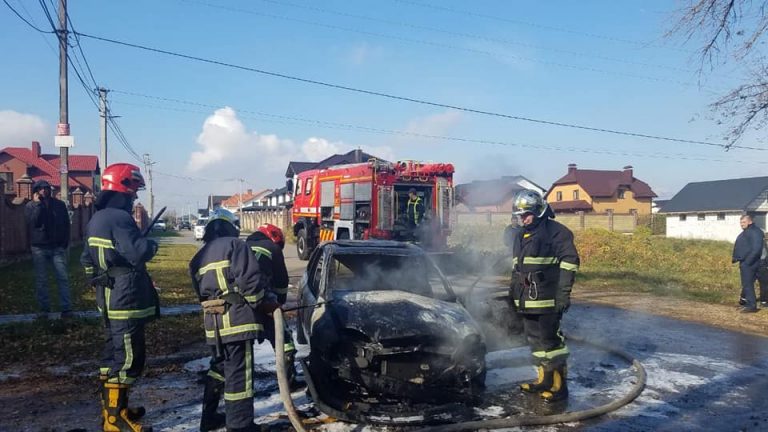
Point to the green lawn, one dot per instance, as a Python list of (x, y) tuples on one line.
[(168, 269)]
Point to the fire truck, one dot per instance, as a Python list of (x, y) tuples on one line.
[(368, 201)]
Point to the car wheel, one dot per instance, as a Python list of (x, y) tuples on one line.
[(302, 245)]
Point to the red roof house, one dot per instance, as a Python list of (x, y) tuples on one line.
[(17, 161)]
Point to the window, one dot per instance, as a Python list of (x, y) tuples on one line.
[(621, 193), (721, 216), (701, 216), (559, 196), (308, 187), (8, 177), (297, 192), (683, 218), (576, 195)]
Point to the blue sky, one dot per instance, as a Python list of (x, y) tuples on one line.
[(597, 63)]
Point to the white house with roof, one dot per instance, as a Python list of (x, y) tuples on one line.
[(711, 210)]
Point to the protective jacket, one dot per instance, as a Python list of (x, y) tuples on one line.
[(226, 269), (271, 263), (415, 211), (48, 223), (115, 258), (545, 262), (749, 246)]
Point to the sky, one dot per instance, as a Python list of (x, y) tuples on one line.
[(602, 64)]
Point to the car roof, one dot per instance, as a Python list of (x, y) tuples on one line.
[(373, 246)]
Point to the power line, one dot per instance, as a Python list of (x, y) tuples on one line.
[(24, 19), (345, 126), (447, 46), (411, 99)]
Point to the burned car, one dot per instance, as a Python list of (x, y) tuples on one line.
[(387, 335)]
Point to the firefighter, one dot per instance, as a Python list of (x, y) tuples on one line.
[(115, 259), (545, 263), (234, 294), (414, 210), (267, 243)]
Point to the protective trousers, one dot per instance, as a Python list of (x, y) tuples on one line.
[(124, 351), (269, 334), (748, 278), (238, 383), (545, 339)]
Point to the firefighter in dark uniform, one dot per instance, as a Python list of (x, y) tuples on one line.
[(234, 294), (267, 243), (414, 210), (115, 259), (545, 263)]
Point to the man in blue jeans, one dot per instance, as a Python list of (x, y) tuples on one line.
[(48, 227)]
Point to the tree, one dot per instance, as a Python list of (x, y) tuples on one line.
[(732, 29)]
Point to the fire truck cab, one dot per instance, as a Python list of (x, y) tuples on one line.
[(369, 201)]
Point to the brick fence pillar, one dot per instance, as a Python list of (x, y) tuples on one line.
[(582, 221), (88, 199), (610, 220), (77, 198), (24, 187)]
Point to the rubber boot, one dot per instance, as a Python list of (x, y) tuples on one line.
[(543, 381), (294, 383), (115, 402), (559, 389), (134, 413), (212, 419)]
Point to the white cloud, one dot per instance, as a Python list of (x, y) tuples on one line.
[(19, 129), (362, 52), (316, 149), (435, 124)]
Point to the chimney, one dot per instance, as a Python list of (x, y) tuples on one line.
[(358, 155), (35, 149), (626, 175), (250, 191), (571, 168)]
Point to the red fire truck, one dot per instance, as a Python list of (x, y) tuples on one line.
[(368, 201)]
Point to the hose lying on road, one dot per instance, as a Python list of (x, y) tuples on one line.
[(282, 378), (573, 416)]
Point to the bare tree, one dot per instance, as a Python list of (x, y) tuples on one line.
[(734, 29)]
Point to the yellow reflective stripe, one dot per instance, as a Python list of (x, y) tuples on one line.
[(517, 302), (88, 270), (280, 291), (221, 280), (551, 354), (289, 347), (107, 297), (539, 303), (128, 357), (254, 298), (229, 331), (258, 250), (539, 260), (248, 393), (514, 260), (103, 370), (131, 313), (213, 266), (568, 266), (102, 260), (215, 375), (100, 242)]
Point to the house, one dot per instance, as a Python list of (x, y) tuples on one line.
[(711, 210), (214, 201), (599, 191), (249, 198), (352, 156), (279, 198), (492, 195), (15, 162), (658, 205)]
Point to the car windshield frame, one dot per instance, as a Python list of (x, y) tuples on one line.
[(330, 286)]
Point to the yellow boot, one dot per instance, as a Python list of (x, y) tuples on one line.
[(115, 412), (559, 389), (543, 381)]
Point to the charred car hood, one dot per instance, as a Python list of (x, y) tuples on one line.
[(385, 315)]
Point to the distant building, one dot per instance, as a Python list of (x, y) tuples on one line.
[(711, 210), (599, 191), (15, 162), (214, 201), (492, 195), (248, 199)]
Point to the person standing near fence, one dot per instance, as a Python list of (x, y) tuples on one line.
[(48, 228), (748, 250)]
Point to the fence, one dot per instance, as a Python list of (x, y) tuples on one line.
[(250, 220), (575, 221)]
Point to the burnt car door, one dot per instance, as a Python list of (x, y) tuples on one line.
[(309, 292)]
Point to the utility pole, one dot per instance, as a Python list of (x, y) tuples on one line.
[(104, 118), (241, 197), (63, 127), (148, 167)]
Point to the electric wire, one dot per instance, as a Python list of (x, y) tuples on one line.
[(409, 99), (24, 19)]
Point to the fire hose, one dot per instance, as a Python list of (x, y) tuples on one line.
[(282, 378)]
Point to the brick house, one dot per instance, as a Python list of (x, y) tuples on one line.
[(15, 162), (600, 191)]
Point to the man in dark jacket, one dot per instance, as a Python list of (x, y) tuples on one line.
[(115, 259), (267, 244), (48, 228), (236, 299), (545, 263), (748, 252)]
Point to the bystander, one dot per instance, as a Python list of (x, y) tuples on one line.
[(48, 228), (748, 252)]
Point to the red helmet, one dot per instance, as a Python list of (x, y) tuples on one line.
[(122, 177), (274, 233)]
